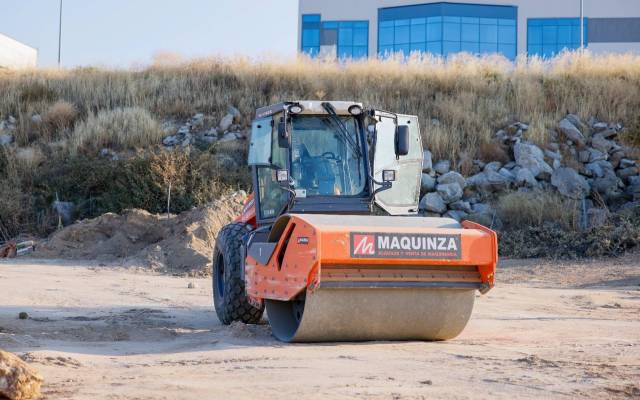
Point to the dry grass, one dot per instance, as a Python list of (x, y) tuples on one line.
[(534, 209), (471, 97), (119, 128)]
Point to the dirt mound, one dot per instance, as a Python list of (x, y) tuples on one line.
[(179, 244)]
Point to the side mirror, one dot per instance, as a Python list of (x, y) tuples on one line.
[(402, 140), (283, 133)]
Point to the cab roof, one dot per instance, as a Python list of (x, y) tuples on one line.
[(308, 106)]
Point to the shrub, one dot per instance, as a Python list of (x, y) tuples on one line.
[(119, 129), (60, 116), (523, 209)]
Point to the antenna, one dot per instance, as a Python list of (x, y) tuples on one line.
[(60, 33)]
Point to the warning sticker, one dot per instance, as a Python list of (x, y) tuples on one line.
[(395, 245)]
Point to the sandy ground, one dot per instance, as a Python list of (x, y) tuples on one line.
[(549, 330)]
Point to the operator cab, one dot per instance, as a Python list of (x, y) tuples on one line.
[(333, 157)]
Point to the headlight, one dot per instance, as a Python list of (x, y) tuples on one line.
[(295, 109), (355, 110)]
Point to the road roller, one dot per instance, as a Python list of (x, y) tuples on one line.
[(331, 243)]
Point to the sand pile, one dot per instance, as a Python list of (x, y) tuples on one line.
[(179, 244)]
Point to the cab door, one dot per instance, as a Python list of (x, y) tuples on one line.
[(404, 195)]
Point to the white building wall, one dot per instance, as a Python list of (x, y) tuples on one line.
[(14, 54), (368, 10)]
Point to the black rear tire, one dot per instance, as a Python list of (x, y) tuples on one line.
[(229, 296)]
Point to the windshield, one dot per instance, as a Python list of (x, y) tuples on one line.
[(325, 160)]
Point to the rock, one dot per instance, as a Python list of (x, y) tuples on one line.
[(233, 111), (596, 155), (597, 217), (600, 143), (187, 140), (5, 139), (23, 315), (488, 182), (493, 166), (510, 165), (461, 206), (482, 208), (191, 285), (553, 146), (634, 180), (452, 177), (575, 120), (18, 380), (608, 134), (626, 163), (583, 156), (571, 132), (170, 140), (569, 183), (508, 175), (65, 210), (600, 126), (12, 120), (530, 156), (554, 155), (449, 192), (599, 168), (36, 119), (197, 121), (427, 183), (442, 167), (616, 158), (524, 177), (432, 202), (184, 130), (225, 123), (456, 214), (627, 172), (427, 161), (229, 137), (606, 184)]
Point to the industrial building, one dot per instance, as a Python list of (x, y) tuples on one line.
[(370, 28), (14, 54)]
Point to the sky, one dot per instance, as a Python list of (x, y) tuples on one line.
[(125, 33)]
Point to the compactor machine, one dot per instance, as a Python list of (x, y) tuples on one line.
[(331, 243)]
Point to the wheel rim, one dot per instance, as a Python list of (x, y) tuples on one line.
[(219, 267)]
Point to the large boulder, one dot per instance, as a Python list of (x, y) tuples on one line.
[(18, 380), (427, 183), (452, 177), (569, 183), (427, 161), (442, 167), (598, 169), (456, 214), (571, 132), (628, 172), (600, 143), (524, 177), (488, 181), (461, 206), (530, 156), (449, 192), (432, 202)]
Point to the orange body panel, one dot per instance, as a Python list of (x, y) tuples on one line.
[(248, 214), (309, 254)]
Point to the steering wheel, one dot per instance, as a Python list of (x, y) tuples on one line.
[(329, 155)]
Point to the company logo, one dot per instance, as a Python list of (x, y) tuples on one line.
[(363, 245), (393, 245)]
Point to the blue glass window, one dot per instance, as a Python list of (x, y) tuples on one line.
[(446, 28), (348, 39), (547, 37)]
